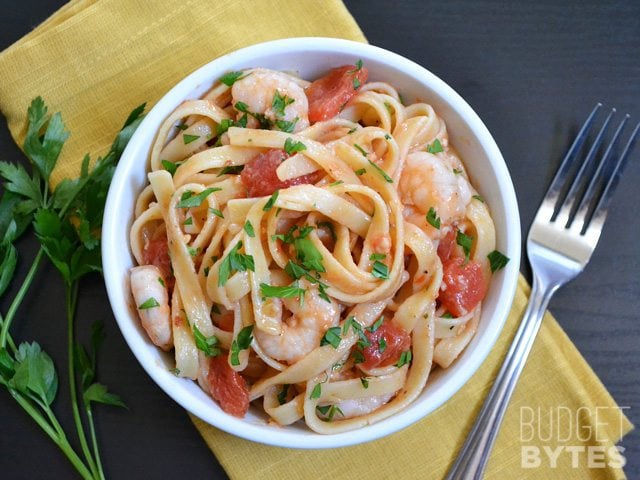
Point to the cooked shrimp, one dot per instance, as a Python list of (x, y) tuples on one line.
[(428, 182), (361, 406), (301, 332), (271, 94), (152, 301)]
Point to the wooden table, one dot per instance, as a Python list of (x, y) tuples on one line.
[(532, 71)]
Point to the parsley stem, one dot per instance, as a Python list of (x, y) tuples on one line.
[(60, 440), (72, 301), (10, 341), (94, 439), (13, 308)]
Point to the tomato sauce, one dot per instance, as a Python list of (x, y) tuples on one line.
[(329, 94)]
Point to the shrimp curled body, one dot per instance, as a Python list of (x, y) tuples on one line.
[(303, 330), (150, 292), (428, 182), (258, 90)]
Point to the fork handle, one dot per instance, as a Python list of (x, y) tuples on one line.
[(472, 458)]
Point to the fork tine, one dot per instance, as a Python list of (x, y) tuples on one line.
[(594, 227), (563, 216), (551, 198), (580, 218)]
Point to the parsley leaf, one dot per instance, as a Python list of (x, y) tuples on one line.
[(234, 261), (292, 146), (242, 342), (387, 178), (435, 147), (207, 345), (249, 229), (149, 303), (380, 270), (272, 200), (187, 139), (280, 102), (433, 218), (230, 78), (497, 260), (190, 200), (405, 358), (331, 337), (466, 242), (290, 291)]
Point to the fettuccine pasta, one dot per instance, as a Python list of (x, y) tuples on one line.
[(312, 248)]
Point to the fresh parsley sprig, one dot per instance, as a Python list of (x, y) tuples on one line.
[(67, 224)]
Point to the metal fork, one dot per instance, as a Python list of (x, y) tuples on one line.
[(562, 238)]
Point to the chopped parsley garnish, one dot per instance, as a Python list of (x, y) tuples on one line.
[(497, 260), (224, 125), (352, 130), (190, 200), (292, 146), (382, 344), (405, 358), (360, 149), (189, 138), (364, 381), (335, 184), (295, 271), (331, 337), (287, 126), (377, 256), (149, 303), (242, 342), (182, 126), (232, 169), (188, 221), (376, 324), (308, 255), (170, 167), (433, 218), (356, 83), (234, 261), (161, 282), (280, 102), (288, 291), (359, 65), (207, 345), (231, 77), (329, 411), (352, 323), (465, 241), (216, 212), (360, 171), (323, 292), (381, 172), (282, 395), (316, 392), (194, 251), (380, 270), (269, 205), (249, 229), (456, 171), (446, 315), (435, 147), (387, 105), (479, 198)]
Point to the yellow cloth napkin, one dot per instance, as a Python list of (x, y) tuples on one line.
[(95, 61)]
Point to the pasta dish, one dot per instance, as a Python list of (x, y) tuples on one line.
[(313, 248)]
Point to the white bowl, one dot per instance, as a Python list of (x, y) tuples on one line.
[(312, 57)]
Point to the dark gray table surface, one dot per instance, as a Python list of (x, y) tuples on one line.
[(532, 71)]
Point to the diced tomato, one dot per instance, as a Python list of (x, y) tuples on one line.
[(261, 179), (447, 245), (156, 252), (228, 387), (464, 285), (396, 341), (328, 95)]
